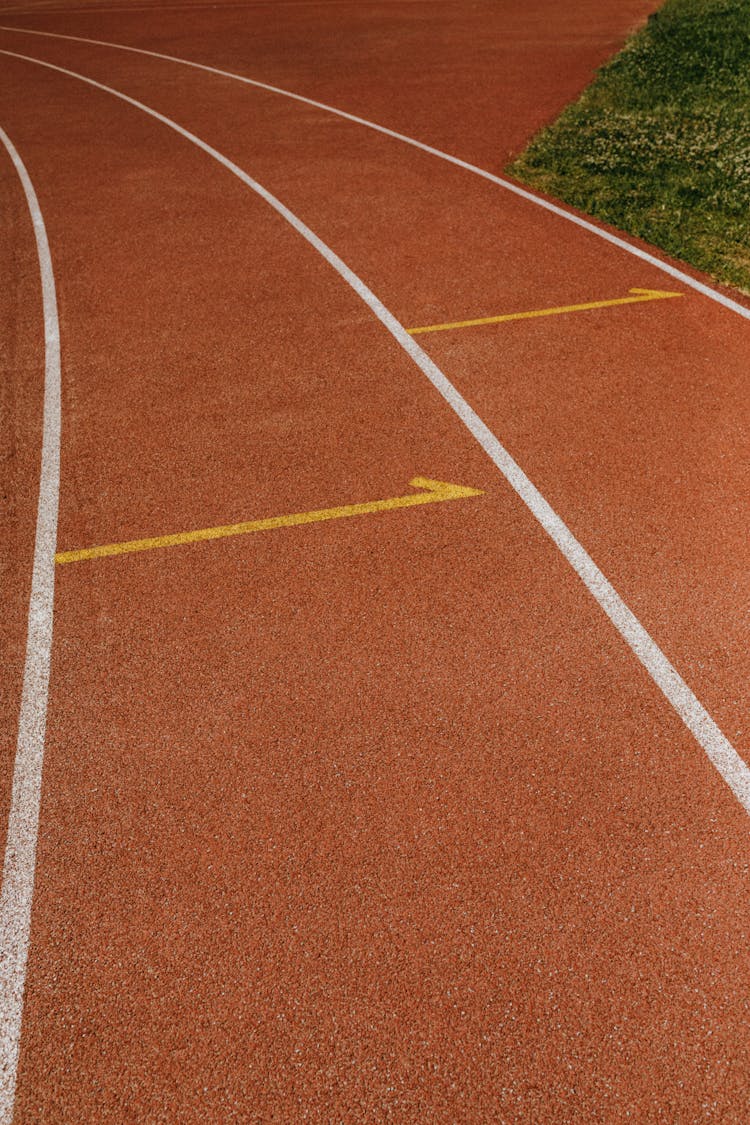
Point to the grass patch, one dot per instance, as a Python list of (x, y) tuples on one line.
[(659, 144)]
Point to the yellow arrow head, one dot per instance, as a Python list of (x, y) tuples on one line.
[(443, 490), (655, 294)]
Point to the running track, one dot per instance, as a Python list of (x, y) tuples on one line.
[(377, 818)]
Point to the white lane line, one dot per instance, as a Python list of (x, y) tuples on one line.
[(718, 748), (23, 821), (508, 185)]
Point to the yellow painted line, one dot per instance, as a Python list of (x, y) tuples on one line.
[(640, 295), (434, 491)]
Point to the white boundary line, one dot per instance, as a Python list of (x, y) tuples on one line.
[(720, 751), (23, 821), (508, 185)]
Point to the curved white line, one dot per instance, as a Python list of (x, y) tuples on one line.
[(508, 185), (23, 821), (718, 748)]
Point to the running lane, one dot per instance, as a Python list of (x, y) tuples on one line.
[(378, 820)]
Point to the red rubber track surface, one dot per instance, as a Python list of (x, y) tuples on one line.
[(376, 819)]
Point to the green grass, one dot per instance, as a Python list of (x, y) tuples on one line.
[(659, 144)]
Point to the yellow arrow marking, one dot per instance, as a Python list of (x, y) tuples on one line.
[(642, 295), (434, 491)]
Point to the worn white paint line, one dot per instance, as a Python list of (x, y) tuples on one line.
[(718, 748), (23, 821), (508, 185)]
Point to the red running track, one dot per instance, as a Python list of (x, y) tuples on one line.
[(376, 819)]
